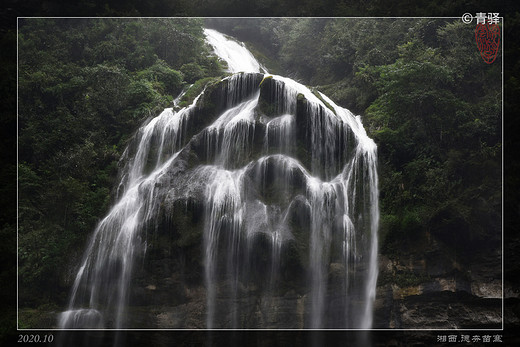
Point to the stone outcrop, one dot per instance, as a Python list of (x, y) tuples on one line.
[(433, 287)]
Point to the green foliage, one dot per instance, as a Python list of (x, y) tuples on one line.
[(85, 85), (304, 34), (437, 122), (142, 91), (192, 72), (194, 90), (171, 80)]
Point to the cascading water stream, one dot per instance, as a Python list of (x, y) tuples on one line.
[(287, 180), (234, 53)]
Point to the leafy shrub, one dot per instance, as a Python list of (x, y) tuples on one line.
[(192, 72)]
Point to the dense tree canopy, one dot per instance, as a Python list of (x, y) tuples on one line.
[(85, 85)]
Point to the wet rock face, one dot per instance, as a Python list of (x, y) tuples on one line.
[(186, 307), (435, 288), (255, 201)]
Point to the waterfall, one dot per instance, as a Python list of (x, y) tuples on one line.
[(234, 53), (287, 185)]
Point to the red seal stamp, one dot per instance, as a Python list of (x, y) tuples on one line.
[(488, 40)]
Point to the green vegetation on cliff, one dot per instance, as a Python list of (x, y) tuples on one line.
[(85, 85)]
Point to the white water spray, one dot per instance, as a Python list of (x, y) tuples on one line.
[(261, 197)]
